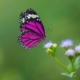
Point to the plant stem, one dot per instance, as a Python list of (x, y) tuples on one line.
[(75, 77), (72, 63), (61, 64)]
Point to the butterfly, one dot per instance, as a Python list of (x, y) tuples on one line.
[(32, 29)]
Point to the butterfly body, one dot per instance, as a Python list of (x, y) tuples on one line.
[(32, 30)]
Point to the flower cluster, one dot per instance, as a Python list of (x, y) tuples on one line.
[(67, 44), (72, 54), (51, 47)]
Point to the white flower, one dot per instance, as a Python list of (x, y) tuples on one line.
[(48, 44), (70, 52), (66, 43), (77, 48)]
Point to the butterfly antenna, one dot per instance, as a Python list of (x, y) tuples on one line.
[(49, 30)]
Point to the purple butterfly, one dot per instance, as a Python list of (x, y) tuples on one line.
[(32, 30)]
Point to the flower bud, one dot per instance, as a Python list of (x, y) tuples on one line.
[(49, 51)]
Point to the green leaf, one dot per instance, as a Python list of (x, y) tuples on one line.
[(67, 74), (77, 62)]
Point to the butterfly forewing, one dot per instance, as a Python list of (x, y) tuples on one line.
[(31, 16)]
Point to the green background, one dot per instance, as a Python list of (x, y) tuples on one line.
[(17, 63)]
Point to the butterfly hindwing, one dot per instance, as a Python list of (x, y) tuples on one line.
[(29, 39)]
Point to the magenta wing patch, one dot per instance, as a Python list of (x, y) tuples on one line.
[(35, 27)]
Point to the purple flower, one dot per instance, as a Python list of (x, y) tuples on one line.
[(48, 44), (66, 43), (70, 52), (77, 48)]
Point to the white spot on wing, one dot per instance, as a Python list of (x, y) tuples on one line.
[(23, 20), (32, 16)]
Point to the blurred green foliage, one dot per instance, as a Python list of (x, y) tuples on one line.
[(16, 63)]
